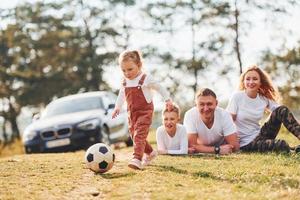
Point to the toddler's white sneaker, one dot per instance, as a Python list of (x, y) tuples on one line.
[(135, 164), (148, 158)]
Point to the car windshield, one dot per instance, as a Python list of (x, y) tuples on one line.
[(71, 106)]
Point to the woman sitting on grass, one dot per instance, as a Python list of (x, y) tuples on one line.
[(247, 108), (171, 137)]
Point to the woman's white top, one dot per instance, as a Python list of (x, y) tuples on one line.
[(249, 112)]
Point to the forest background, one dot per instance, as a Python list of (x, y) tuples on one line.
[(50, 49)]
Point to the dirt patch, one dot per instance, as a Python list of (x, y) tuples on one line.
[(88, 188), (85, 189)]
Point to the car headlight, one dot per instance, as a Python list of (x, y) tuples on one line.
[(28, 135), (88, 125)]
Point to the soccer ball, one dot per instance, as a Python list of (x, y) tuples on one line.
[(99, 158)]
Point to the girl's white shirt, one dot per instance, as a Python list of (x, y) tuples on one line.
[(148, 87), (176, 145)]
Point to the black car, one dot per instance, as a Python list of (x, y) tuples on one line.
[(75, 122)]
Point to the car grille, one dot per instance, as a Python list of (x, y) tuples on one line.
[(56, 133)]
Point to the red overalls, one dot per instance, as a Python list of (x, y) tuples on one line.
[(140, 118)]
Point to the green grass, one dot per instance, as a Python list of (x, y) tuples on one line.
[(237, 176)]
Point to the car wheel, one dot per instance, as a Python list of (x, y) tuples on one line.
[(27, 150), (105, 135), (129, 142)]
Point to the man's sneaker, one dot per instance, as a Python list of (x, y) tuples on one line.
[(148, 158), (135, 164)]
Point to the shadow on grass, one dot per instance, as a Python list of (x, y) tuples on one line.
[(202, 174), (199, 174), (170, 169), (116, 175), (208, 175), (291, 158), (205, 156), (287, 183)]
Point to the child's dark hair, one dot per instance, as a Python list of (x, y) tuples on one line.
[(205, 92), (134, 56), (175, 108)]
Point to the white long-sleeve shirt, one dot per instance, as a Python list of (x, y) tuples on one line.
[(148, 87), (176, 145)]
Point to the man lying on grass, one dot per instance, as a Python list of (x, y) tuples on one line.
[(210, 128)]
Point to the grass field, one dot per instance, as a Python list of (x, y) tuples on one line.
[(237, 176)]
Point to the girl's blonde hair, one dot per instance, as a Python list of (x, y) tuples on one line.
[(134, 56), (266, 89), (175, 109)]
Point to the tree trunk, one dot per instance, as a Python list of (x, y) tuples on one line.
[(15, 128), (5, 136), (237, 43), (13, 114), (194, 49)]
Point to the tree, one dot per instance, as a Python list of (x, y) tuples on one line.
[(203, 24), (36, 56), (284, 69), (242, 23), (46, 56)]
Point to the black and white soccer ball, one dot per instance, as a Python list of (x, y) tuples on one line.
[(99, 158)]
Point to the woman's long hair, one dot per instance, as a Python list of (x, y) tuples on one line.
[(266, 89)]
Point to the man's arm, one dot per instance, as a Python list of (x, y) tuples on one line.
[(233, 140), (229, 129), (199, 147), (195, 143)]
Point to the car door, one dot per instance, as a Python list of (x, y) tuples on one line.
[(118, 126)]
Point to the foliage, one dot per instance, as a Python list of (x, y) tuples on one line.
[(284, 68), (55, 48), (195, 18), (52, 55), (266, 12)]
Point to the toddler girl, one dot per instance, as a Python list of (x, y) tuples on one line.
[(136, 90)]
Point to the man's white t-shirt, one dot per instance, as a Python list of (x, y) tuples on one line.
[(249, 112), (178, 144), (223, 126)]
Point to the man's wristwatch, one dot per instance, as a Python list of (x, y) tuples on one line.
[(217, 149)]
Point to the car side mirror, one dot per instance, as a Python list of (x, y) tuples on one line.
[(111, 106)]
